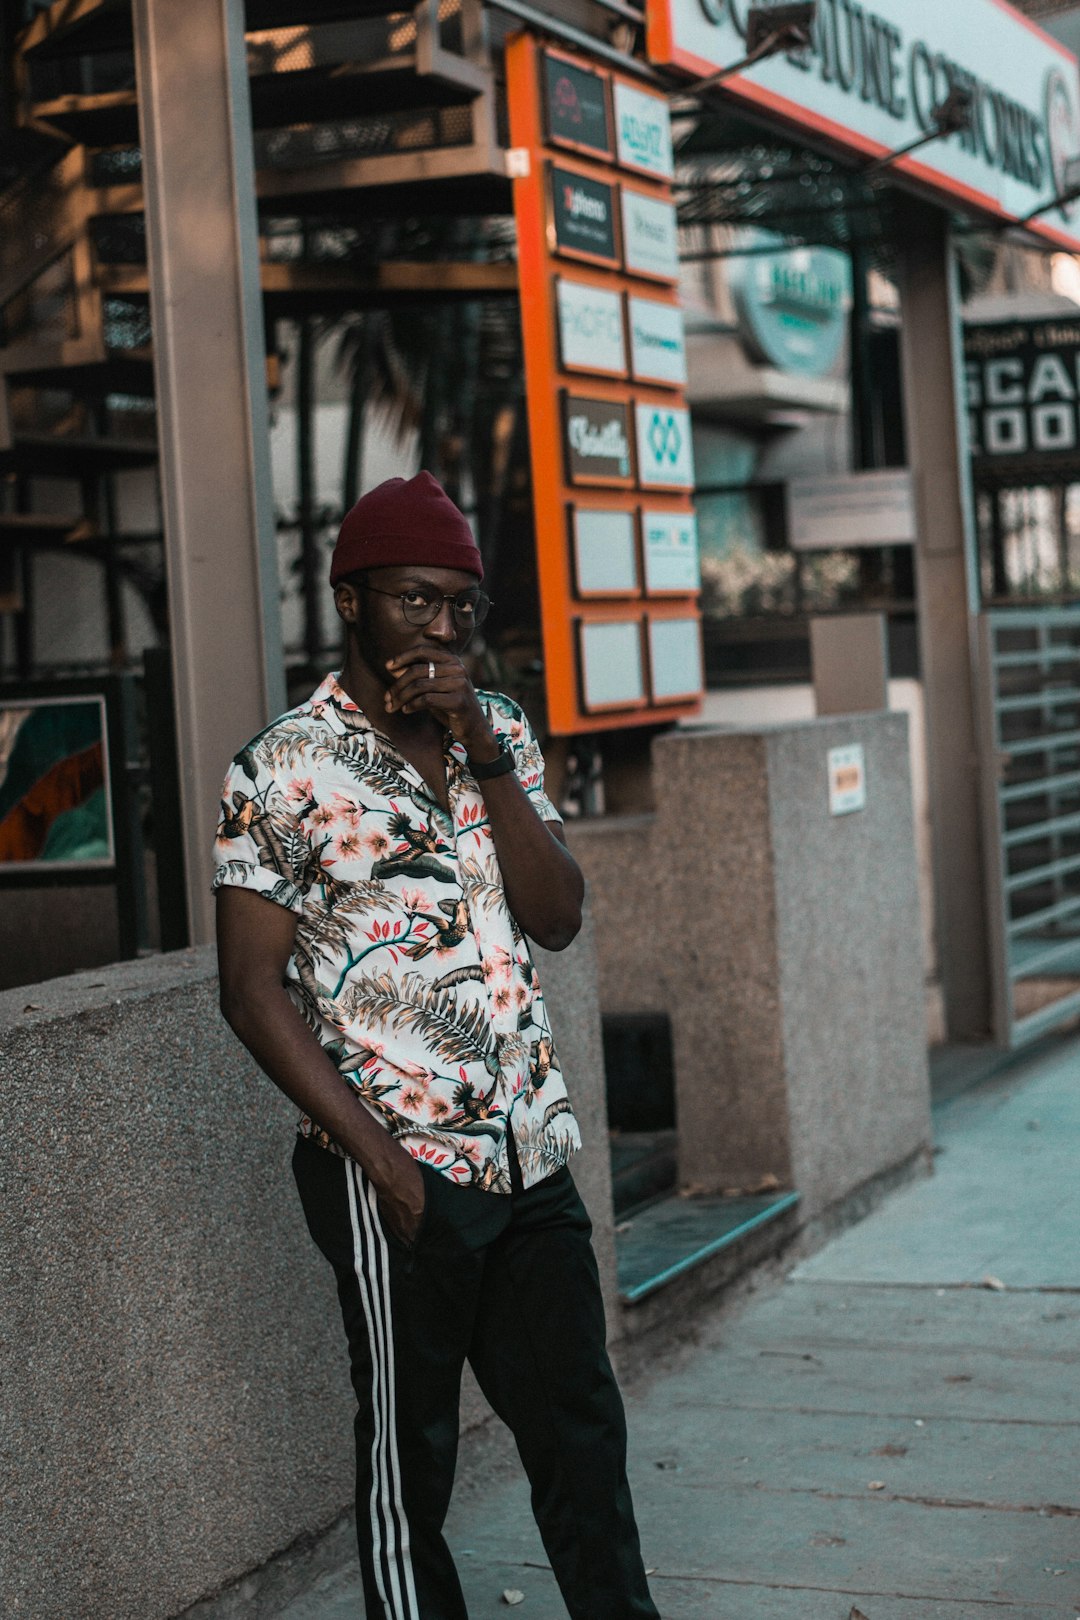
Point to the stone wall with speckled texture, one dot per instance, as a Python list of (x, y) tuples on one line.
[(785, 944), (175, 1406)]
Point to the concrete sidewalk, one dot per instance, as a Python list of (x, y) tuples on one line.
[(889, 1431)]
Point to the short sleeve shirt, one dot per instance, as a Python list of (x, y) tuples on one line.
[(407, 963)]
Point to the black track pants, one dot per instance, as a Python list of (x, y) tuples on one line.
[(510, 1283)]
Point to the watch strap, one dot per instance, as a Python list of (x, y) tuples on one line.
[(501, 765)]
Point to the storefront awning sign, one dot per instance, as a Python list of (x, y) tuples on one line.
[(875, 72)]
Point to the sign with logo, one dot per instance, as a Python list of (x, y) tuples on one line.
[(657, 343), (674, 659), (583, 217), (876, 70), (643, 131), (575, 106), (671, 551), (847, 780), (650, 236), (792, 305), (665, 452), (605, 553), (597, 439), (590, 328), (1023, 390)]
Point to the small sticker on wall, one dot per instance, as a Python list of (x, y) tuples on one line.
[(847, 780)]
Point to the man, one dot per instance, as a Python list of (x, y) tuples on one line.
[(384, 854)]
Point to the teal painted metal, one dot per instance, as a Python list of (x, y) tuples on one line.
[(1031, 772), (670, 1238)]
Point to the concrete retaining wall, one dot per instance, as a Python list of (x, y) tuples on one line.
[(175, 1405)]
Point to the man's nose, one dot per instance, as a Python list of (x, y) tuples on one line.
[(442, 626)]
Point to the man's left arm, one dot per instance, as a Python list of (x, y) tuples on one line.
[(543, 882)]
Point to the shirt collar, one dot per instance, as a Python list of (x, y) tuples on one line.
[(330, 697)]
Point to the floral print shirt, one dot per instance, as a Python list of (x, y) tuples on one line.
[(407, 963)]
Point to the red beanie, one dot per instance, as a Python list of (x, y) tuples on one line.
[(405, 521)]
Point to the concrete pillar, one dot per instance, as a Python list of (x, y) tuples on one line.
[(947, 594), (209, 357)]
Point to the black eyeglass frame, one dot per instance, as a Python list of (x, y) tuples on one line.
[(481, 604)]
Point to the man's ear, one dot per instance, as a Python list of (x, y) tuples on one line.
[(347, 601)]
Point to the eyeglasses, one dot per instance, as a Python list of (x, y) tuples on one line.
[(420, 605)]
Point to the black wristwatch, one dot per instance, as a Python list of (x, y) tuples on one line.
[(504, 761)]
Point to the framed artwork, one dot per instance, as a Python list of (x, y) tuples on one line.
[(56, 809)]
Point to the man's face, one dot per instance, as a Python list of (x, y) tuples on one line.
[(371, 606)]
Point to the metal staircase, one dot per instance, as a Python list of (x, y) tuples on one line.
[(358, 109)]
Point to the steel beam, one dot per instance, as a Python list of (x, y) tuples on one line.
[(209, 358), (947, 594)]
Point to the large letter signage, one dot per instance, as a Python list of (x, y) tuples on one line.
[(874, 73), (1023, 391)]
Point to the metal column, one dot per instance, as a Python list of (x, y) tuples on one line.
[(947, 595), (209, 357)]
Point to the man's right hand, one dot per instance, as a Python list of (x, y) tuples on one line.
[(402, 1199)]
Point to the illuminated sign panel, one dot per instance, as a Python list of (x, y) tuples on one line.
[(576, 106), (670, 543), (874, 74), (597, 440), (643, 131), (665, 452), (650, 235), (583, 216), (590, 328), (657, 343)]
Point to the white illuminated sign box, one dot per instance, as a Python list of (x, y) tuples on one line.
[(650, 236), (874, 74), (605, 554), (612, 676), (643, 131), (847, 780), (674, 659), (665, 450), (670, 543), (591, 334), (852, 511), (657, 342)]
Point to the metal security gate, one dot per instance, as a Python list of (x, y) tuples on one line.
[(1031, 754)]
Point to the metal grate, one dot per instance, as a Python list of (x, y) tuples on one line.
[(729, 175), (1032, 732)]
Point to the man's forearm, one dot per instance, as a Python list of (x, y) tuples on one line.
[(274, 1032)]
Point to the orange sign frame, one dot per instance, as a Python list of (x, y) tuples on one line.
[(540, 262)]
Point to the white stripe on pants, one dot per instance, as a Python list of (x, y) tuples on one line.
[(372, 1267)]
